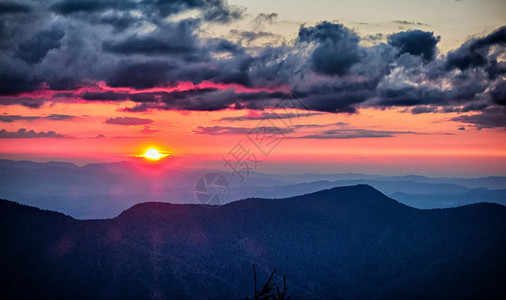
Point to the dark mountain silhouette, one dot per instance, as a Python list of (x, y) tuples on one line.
[(346, 242)]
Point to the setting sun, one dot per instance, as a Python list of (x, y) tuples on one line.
[(153, 154)]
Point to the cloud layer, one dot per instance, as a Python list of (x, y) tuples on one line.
[(149, 53), (128, 121), (51, 117), (22, 133)]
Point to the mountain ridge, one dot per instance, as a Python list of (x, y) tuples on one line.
[(345, 242)]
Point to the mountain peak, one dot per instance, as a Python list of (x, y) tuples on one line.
[(357, 199)]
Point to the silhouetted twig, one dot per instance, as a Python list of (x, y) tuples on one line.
[(266, 292), (282, 295)]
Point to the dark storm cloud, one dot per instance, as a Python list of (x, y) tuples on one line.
[(415, 42), (104, 96), (120, 21), (337, 96), (139, 75), (15, 77), (88, 6), (475, 53), (17, 82), (222, 46), (128, 121), (408, 95), (67, 51), (70, 45), (146, 45), (208, 99), (11, 7), (424, 109), (498, 93), (491, 117), (212, 10), (33, 50), (337, 47), (220, 99), (22, 133), (168, 39)]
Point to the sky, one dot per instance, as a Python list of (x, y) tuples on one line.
[(384, 87)]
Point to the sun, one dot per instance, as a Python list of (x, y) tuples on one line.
[(153, 154)]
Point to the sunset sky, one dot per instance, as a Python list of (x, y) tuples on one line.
[(387, 87)]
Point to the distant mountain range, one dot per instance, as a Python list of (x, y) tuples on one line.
[(103, 190), (341, 243)]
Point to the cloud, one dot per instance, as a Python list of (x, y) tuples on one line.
[(263, 18), (498, 93), (13, 118), (403, 22), (158, 53), (265, 115), (222, 13), (248, 37), (139, 75), (52, 117), (228, 130), (206, 99), (15, 78), (149, 130), (177, 38), (476, 52), (128, 121), (79, 45), (58, 117), (415, 42), (211, 10), (273, 128), (303, 126), (353, 134), (336, 47), (70, 7), (491, 117), (36, 48), (24, 101), (13, 8), (104, 96), (22, 133)]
